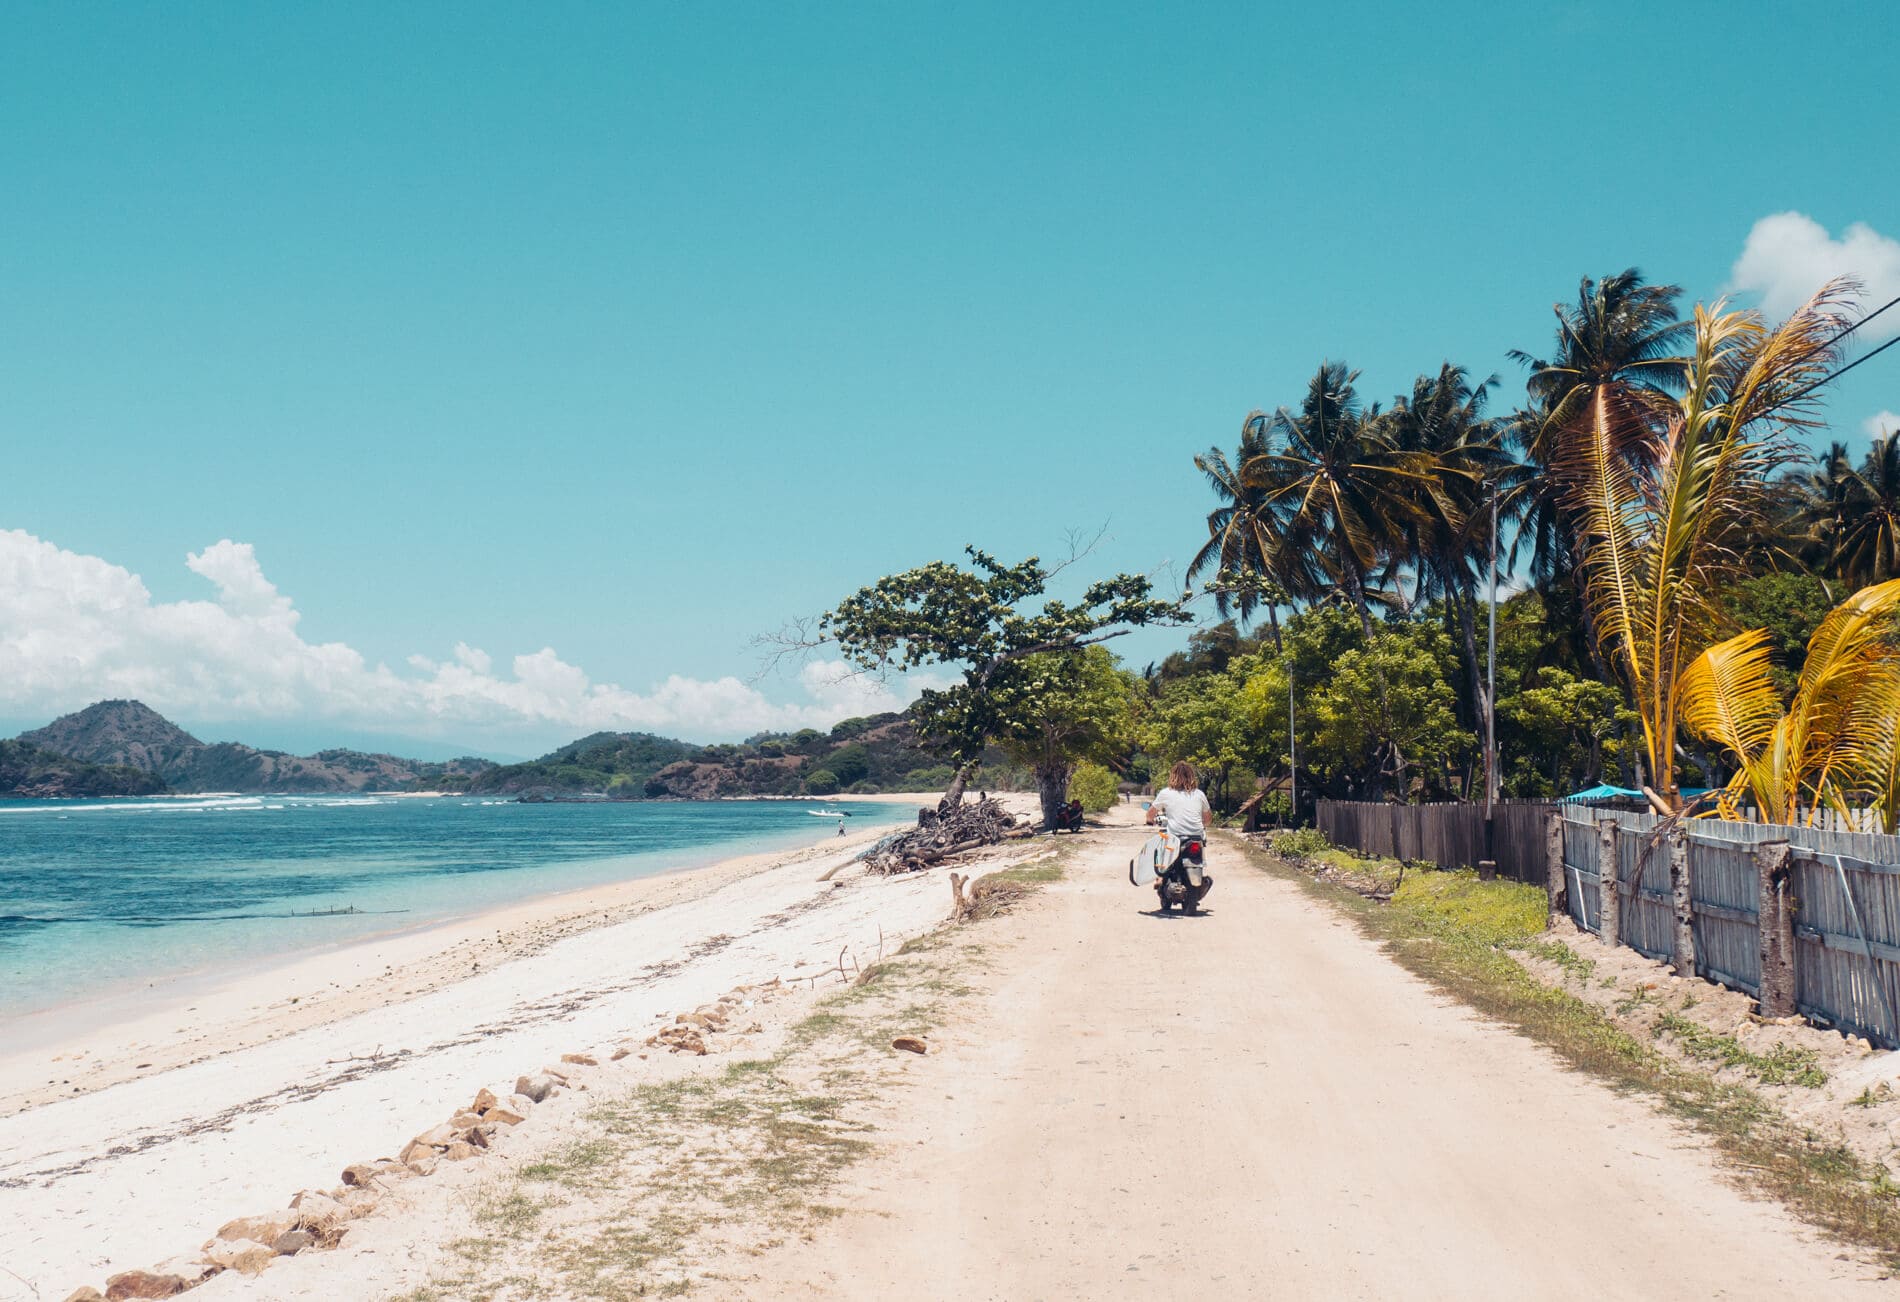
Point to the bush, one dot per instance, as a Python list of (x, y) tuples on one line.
[(821, 782), (1096, 787), (864, 788), (850, 764), (1298, 842), (936, 778)]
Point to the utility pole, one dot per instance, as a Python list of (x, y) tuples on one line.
[(1491, 674), (1292, 751)]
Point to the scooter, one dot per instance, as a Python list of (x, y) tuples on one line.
[(1186, 881), (1069, 817)]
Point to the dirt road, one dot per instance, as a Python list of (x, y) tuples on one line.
[(1258, 1104)]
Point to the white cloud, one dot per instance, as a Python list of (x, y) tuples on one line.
[(1881, 423), (75, 629), (1790, 255)]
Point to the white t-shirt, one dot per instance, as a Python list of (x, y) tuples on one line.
[(1186, 812)]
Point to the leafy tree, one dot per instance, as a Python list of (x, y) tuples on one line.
[(849, 764), (1788, 607), (1095, 786), (821, 782), (1058, 709), (977, 620), (1561, 734)]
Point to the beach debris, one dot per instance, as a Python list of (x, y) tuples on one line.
[(535, 1088), (261, 1228), (969, 825), (581, 1059), (622, 1051), (86, 1293), (502, 1115), (245, 1256), (459, 1151), (973, 898), (911, 1044), (484, 1100), (292, 1242), (146, 1284), (681, 1039)]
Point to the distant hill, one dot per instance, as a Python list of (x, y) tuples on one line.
[(878, 753), (29, 772), (133, 735)]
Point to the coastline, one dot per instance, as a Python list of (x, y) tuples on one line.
[(101, 1040), (131, 1144)]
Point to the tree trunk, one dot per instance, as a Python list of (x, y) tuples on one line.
[(1052, 785), (1776, 920), (954, 796), (1682, 895)]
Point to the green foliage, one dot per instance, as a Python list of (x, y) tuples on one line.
[(1781, 1065), (1298, 842), (1790, 607), (850, 763), (978, 620), (1095, 786), (28, 770), (1490, 913), (1560, 734), (1058, 709), (821, 782)]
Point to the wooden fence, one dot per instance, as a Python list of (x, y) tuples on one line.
[(1451, 835), (1831, 943)]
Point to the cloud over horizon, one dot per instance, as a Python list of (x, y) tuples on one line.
[(1789, 255), (75, 629)]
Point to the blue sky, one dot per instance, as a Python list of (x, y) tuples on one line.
[(631, 331)]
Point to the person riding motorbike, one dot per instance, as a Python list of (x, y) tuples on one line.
[(1185, 806)]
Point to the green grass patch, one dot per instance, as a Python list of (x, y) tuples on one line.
[(1574, 965), (1782, 1065), (1824, 1183), (1457, 903)]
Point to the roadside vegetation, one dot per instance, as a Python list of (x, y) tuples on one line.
[(1463, 935)]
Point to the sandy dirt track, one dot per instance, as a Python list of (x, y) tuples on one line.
[(1259, 1104)]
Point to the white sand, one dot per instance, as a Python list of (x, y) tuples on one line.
[(265, 1086)]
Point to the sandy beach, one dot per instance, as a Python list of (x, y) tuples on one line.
[(125, 1144)]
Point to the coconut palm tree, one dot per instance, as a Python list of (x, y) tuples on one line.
[(1332, 473), (1622, 343), (1255, 560), (1865, 543), (1449, 531), (1837, 735), (1664, 517)]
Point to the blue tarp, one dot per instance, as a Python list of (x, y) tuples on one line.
[(1603, 791)]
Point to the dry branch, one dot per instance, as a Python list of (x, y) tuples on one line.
[(939, 835)]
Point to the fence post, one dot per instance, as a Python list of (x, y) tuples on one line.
[(1776, 920), (1682, 894), (1609, 904), (1554, 877)]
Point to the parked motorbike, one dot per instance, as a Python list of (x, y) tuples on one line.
[(1069, 817)]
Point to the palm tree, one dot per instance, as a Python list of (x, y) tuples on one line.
[(1247, 540), (1865, 547), (1449, 535), (1620, 349), (1837, 736), (1665, 518), (1332, 474)]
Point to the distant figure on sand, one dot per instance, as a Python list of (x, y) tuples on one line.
[(841, 827)]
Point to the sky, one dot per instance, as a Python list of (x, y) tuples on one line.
[(473, 377)]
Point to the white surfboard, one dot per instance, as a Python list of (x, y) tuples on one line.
[(1148, 861)]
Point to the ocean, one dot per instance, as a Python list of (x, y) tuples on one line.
[(105, 895)]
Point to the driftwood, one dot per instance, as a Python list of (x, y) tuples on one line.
[(939, 835), (984, 897)]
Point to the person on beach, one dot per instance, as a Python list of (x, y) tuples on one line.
[(1184, 805)]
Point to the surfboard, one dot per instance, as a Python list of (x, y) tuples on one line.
[(1146, 864)]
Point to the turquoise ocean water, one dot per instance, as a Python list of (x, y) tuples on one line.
[(105, 895)]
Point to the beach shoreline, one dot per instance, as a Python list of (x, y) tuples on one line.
[(99, 1040)]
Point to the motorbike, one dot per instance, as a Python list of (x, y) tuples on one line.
[(1185, 882), (1069, 817)]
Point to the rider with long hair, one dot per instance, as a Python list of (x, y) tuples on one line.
[(1184, 805)]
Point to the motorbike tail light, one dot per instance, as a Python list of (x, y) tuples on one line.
[(1193, 847)]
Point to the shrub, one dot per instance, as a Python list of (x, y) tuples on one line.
[(935, 778), (1298, 842), (850, 764), (1095, 787), (821, 782), (864, 788)]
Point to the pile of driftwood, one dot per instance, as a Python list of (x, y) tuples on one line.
[(939, 834)]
